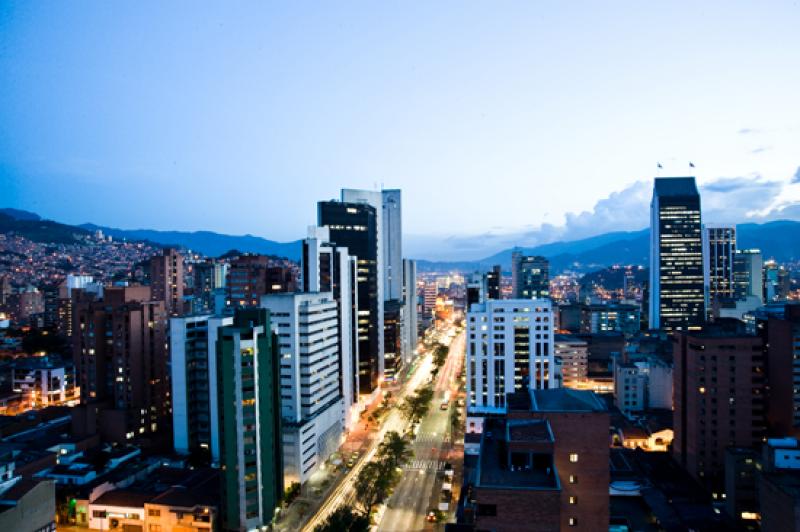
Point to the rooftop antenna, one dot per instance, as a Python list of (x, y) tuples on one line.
[(659, 168)]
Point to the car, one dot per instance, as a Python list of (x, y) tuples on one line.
[(431, 517)]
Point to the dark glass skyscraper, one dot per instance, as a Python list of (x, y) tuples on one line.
[(677, 295), (530, 276), (354, 225)]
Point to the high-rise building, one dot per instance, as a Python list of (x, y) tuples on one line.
[(509, 348), (530, 276), (573, 353), (208, 277), (719, 250), (121, 362), (252, 276), (777, 282), (493, 278), (392, 245), (249, 399), (166, 280), (195, 407), (392, 338), (328, 268), (748, 274), (719, 394), (312, 406), (355, 226), (779, 327), (411, 327), (677, 294)]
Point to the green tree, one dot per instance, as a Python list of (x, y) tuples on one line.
[(372, 486), (394, 449), (344, 519)]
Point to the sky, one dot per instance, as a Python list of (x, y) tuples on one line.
[(504, 123)]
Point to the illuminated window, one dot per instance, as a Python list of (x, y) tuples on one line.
[(573, 499), (573, 457), (573, 521)]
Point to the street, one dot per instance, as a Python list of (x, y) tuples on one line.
[(418, 490)]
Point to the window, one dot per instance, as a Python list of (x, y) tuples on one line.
[(154, 513), (99, 514), (573, 457), (154, 528), (573, 499), (573, 479), (573, 521)]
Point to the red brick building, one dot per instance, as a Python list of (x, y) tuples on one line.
[(121, 362), (166, 280), (719, 397), (545, 465)]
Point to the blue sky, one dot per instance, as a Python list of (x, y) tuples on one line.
[(519, 122)]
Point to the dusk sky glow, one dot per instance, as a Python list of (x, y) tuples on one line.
[(519, 121)]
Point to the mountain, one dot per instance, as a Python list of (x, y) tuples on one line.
[(20, 215), (779, 240), (40, 230), (206, 242)]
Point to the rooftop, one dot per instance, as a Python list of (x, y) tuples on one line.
[(675, 186), (566, 400), (494, 464)]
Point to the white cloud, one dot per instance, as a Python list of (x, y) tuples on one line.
[(724, 200)]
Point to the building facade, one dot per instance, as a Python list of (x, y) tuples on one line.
[(195, 407), (249, 398), (677, 293), (356, 227), (719, 397), (166, 280), (530, 276), (719, 250), (510, 348), (312, 406)]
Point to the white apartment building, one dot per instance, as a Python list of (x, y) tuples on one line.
[(509, 348), (312, 406)]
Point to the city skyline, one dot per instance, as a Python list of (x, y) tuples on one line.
[(443, 96)]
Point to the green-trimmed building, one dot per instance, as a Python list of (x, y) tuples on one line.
[(248, 388)]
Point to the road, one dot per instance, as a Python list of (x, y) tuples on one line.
[(409, 504), (344, 492)]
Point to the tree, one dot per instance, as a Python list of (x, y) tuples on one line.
[(416, 406), (394, 449), (344, 519), (372, 486)]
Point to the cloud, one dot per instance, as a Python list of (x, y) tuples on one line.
[(736, 199), (747, 131), (760, 149)]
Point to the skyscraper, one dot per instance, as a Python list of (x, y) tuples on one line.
[(509, 348), (312, 407), (248, 388), (493, 278), (677, 295), (195, 406), (530, 276), (719, 250), (748, 274), (392, 245), (355, 226), (166, 280), (330, 268), (719, 394), (121, 362), (411, 328)]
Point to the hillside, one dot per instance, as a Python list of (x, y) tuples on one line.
[(39, 230), (206, 242)]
